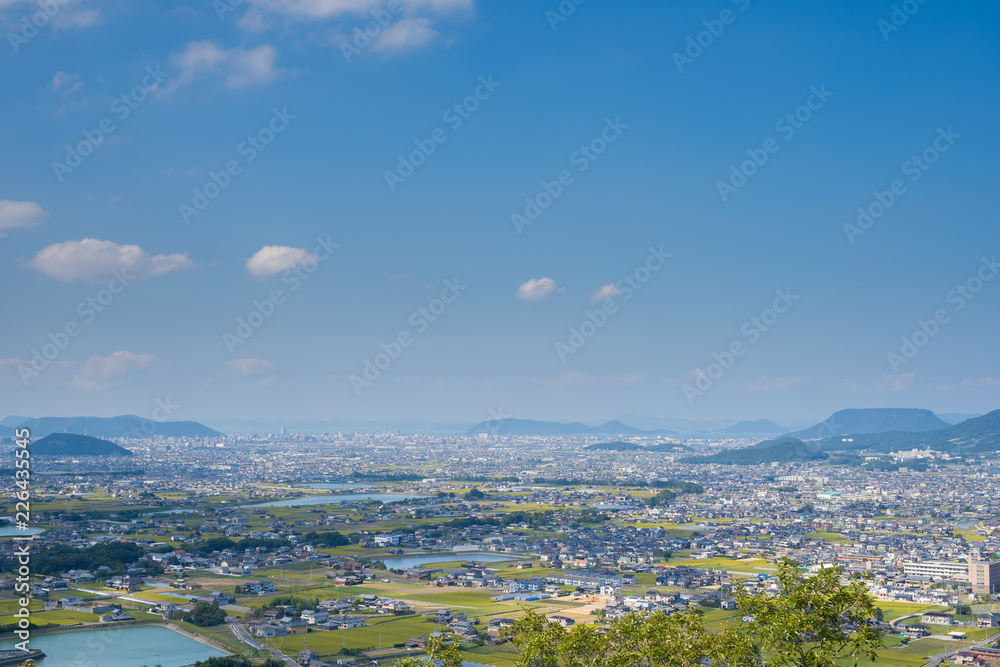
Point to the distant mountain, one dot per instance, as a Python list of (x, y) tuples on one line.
[(872, 420), (956, 417), (981, 434), (6, 431), (782, 450), (674, 423), (13, 420), (669, 447), (511, 426), (71, 444), (125, 426), (761, 426), (231, 425), (616, 446)]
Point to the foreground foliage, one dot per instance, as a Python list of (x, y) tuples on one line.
[(813, 621), (802, 621)]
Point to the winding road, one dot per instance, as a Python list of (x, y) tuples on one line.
[(243, 635)]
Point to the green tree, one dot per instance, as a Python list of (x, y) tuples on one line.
[(205, 614), (656, 640), (437, 652), (813, 621)]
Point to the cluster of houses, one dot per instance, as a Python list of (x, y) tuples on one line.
[(329, 615)]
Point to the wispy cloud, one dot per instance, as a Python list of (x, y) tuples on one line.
[(981, 382), (237, 67), (605, 292), (410, 33), (100, 372), (776, 384), (249, 366)]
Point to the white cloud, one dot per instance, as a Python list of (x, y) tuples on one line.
[(408, 33), (249, 366), (272, 259), (100, 372), (91, 260), (15, 214), (605, 292), (536, 290), (237, 67), (323, 9)]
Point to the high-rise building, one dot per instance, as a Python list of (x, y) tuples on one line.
[(984, 577)]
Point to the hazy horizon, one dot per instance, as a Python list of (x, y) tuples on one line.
[(736, 210)]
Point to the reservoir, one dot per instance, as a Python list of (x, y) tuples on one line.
[(10, 530), (406, 562), (118, 647)]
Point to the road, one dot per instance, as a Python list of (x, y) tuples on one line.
[(938, 659), (244, 636)]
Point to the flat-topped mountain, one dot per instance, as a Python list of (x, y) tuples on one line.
[(872, 420), (981, 434)]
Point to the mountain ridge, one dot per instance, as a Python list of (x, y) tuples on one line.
[(529, 427), (122, 426), (781, 450), (979, 434)]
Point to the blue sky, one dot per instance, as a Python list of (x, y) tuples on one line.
[(645, 131)]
